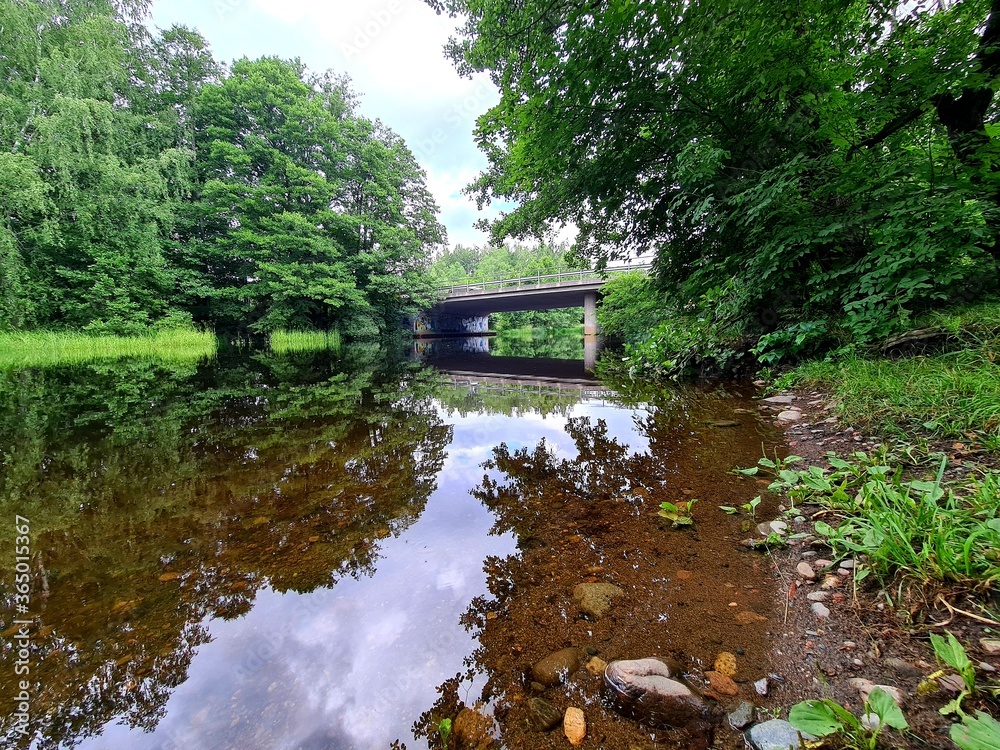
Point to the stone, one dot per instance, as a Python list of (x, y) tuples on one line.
[(805, 570), (748, 617), (778, 527), (721, 684), (761, 687), (742, 716), (725, 663), (596, 666), (782, 400), (169, 577), (776, 734), (847, 564), (818, 596), (575, 726), (595, 598), (645, 690), (556, 667), (865, 687), (985, 666), (820, 610), (903, 667), (723, 423), (990, 646), (543, 715), (792, 415), (830, 582), (473, 729)]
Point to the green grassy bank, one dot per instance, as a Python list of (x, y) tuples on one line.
[(303, 341), (47, 348)]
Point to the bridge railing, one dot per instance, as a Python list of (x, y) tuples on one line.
[(538, 280)]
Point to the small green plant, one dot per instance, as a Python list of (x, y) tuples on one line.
[(750, 507), (824, 717), (444, 730), (979, 732), (678, 515), (952, 653)]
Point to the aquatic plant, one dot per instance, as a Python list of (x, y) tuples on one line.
[(50, 348), (679, 515), (825, 717), (282, 341)]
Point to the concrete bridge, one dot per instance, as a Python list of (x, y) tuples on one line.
[(465, 308)]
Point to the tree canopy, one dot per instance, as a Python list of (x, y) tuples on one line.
[(143, 185), (834, 159)]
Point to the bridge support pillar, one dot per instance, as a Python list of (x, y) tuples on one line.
[(590, 314)]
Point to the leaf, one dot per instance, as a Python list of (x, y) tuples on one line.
[(882, 704), (815, 717), (981, 732), (728, 509), (751, 472), (952, 653), (823, 528)]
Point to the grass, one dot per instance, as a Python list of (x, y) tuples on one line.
[(48, 348), (950, 394), (282, 342)]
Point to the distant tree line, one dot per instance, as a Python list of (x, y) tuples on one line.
[(145, 185)]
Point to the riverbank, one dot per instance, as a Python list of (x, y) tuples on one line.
[(855, 619)]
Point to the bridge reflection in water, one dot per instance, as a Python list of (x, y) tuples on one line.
[(468, 359)]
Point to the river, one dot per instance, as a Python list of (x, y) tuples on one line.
[(337, 550)]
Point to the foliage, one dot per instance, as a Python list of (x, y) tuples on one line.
[(679, 515), (631, 307), (919, 527), (303, 341), (444, 730), (143, 186), (824, 717), (952, 653), (979, 732), (43, 349), (834, 160)]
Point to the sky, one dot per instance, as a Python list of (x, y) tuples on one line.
[(393, 52)]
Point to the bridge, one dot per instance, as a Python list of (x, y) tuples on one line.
[(465, 308)]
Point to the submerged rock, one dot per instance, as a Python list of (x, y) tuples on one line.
[(776, 734), (544, 715), (556, 667), (575, 726), (473, 729), (742, 716), (595, 598), (645, 690)]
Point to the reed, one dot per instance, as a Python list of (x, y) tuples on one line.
[(282, 341), (48, 348)]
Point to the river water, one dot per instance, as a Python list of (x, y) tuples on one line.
[(339, 549)]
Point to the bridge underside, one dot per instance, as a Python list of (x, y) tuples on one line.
[(469, 313)]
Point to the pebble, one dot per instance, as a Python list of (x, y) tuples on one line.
[(810, 553), (721, 684), (595, 598), (575, 726), (776, 734), (725, 663), (820, 610), (805, 570), (990, 646), (556, 667), (544, 715), (761, 687), (792, 415), (821, 563), (596, 666), (847, 564), (784, 399), (843, 572), (742, 716), (986, 667), (818, 596), (865, 687), (800, 519)]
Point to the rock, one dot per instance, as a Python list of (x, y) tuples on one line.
[(725, 663), (473, 729), (865, 687), (544, 716), (595, 598), (779, 527), (170, 577), (990, 646), (748, 617), (847, 564), (721, 684), (596, 666), (820, 610), (902, 667), (742, 716), (782, 400), (822, 563), (984, 666), (556, 667), (722, 423), (575, 726), (818, 596), (830, 582), (761, 687), (805, 570), (644, 689), (792, 415), (776, 734)]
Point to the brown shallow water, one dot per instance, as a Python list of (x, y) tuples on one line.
[(307, 551)]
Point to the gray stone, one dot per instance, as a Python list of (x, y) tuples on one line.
[(990, 645), (762, 687), (820, 610), (645, 690), (742, 716), (595, 598), (847, 564), (792, 415), (556, 667), (723, 423), (782, 400), (805, 570), (544, 715), (818, 596), (776, 734), (865, 687)]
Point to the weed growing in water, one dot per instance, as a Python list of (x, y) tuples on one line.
[(825, 717), (678, 515)]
